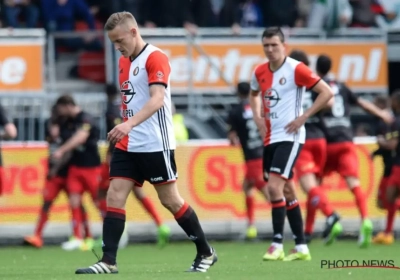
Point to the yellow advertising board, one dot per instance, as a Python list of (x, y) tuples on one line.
[(210, 179)]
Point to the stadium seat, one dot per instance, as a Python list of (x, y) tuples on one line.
[(91, 66)]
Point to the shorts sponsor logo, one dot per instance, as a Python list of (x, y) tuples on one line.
[(157, 179)]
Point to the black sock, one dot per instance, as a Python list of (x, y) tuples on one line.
[(113, 227), (278, 219), (295, 219), (187, 219)]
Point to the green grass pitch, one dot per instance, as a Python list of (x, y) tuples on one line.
[(237, 261)]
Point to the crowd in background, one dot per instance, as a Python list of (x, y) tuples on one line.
[(60, 15)]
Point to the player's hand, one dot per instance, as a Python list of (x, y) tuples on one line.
[(380, 139), (295, 125), (387, 117), (58, 154), (262, 129), (119, 132)]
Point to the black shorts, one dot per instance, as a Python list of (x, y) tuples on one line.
[(279, 158), (155, 167)]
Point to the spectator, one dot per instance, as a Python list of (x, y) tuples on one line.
[(283, 13), (330, 14), (60, 15), (365, 12), (169, 13), (14, 8), (103, 9), (249, 15)]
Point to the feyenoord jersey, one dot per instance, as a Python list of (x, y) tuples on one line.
[(136, 76), (282, 97)]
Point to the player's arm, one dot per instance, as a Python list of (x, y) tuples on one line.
[(9, 130), (256, 105), (389, 143), (304, 77), (77, 139), (158, 70), (374, 110), (391, 139), (232, 134), (59, 164)]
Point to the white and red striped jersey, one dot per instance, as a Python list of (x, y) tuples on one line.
[(136, 76), (282, 97)]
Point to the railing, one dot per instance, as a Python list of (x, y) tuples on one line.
[(205, 67)]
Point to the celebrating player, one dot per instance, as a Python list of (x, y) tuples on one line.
[(243, 129), (9, 131), (113, 117), (145, 144), (56, 176), (389, 149), (84, 170), (282, 82), (310, 166), (341, 151)]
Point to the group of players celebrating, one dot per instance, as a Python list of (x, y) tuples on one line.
[(300, 125), (328, 146)]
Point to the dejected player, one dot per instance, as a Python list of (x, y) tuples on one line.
[(341, 151), (310, 167), (84, 171), (282, 82), (243, 130), (145, 144), (8, 132), (113, 118), (389, 188)]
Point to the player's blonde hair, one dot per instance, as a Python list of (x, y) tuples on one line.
[(117, 19)]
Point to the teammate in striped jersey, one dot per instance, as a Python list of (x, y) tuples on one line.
[(282, 82), (145, 144)]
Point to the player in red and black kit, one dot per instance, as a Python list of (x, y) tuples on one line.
[(8, 132), (113, 118), (243, 130), (56, 179), (311, 163), (84, 171), (389, 149), (341, 152)]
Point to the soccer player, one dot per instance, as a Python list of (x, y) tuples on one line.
[(145, 144), (8, 132), (282, 82), (341, 151), (84, 170), (310, 166), (113, 118), (56, 176), (243, 130), (389, 151)]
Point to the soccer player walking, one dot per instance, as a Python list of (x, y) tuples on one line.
[(145, 144), (282, 82)]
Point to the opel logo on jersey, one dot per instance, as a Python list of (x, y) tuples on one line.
[(127, 92), (271, 98)]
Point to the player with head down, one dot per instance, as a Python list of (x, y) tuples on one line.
[(282, 82), (145, 145)]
